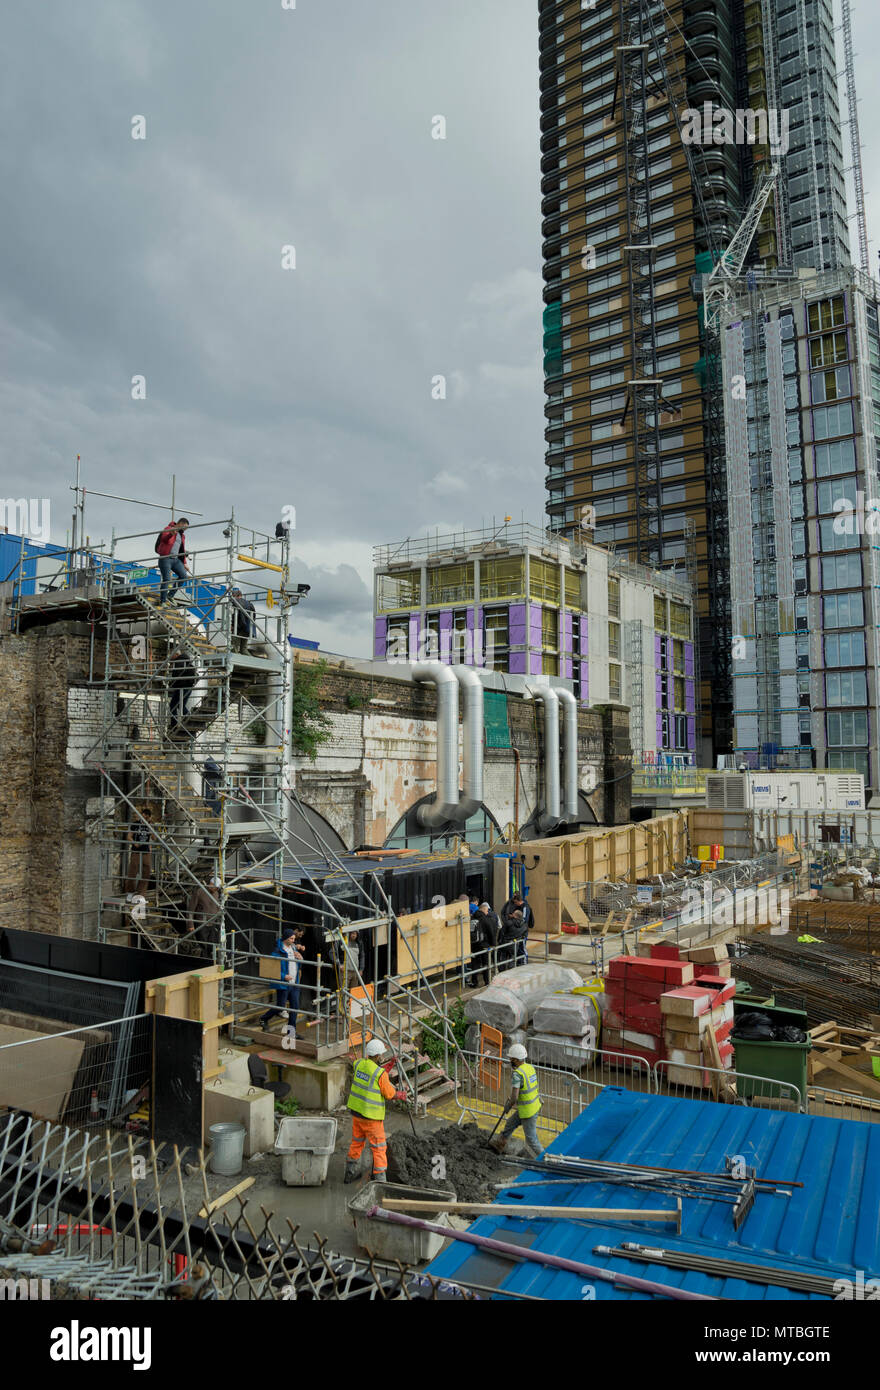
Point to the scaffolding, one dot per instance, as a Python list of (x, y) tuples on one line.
[(199, 839)]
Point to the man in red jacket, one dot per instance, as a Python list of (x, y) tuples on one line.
[(171, 549)]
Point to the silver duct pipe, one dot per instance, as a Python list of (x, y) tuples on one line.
[(445, 806), (569, 754), (549, 699), (472, 760)]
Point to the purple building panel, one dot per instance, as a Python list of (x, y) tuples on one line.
[(469, 619), (535, 625), (380, 638), (669, 653), (566, 666), (517, 663), (535, 663), (445, 620), (414, 625), (585, 683), (517, 625), (585, 637), (658, 649), (659, 730), (690, 693), (692, 734), (658, 689), (689, 659)]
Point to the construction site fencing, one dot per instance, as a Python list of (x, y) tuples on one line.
[(842, 1105), (727, 1085), (109, 1217), (483, 1086), (82, 1076)]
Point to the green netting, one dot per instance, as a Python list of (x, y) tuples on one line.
[(495, 719)]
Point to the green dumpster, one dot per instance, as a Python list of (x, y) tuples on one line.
[(783, 1063)]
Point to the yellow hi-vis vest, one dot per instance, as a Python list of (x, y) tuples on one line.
[(366, 1099), (527, 1103)]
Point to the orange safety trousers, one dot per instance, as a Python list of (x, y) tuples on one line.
[(372, 1132)]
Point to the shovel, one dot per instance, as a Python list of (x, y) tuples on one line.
[(497, 1123)]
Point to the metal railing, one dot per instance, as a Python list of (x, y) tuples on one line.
[(483, 1085), (82, 1076), (842, 1105)]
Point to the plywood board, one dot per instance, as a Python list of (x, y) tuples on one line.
[(38, 1078), (434, 936)]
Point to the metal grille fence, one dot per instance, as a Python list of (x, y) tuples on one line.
[(82, 1076), (96, 1216), (483, 1086)]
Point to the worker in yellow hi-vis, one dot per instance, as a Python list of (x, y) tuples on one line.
[(370, 1088), (525, 1101)]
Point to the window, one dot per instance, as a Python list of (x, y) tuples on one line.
[(614, 641), (673, 496), (672, 468), (614, 477), (842, 572), (829, 539), (831, 347), (616, 531), (847, 727), (846, 688), (839, 457), (679, 619), (659, 613), (832, 420), (844, 610), (399, 591), (502, 578), (826, 313), (606, 379), (607, 354), (831, 494), (614, 682), (550, 627), (609, 453), (830, 385), (614, 598), (845, 649), (544, 581)]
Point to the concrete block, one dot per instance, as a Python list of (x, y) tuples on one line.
[(235, 1065), (316, 1085), (251, 1106)]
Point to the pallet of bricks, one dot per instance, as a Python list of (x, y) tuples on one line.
[(664, 1007)]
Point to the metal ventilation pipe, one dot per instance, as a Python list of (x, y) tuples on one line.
[(548, 697), (472, 693), (445, 806), (569, 754)]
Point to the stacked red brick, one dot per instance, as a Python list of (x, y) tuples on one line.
[(658, 1010)]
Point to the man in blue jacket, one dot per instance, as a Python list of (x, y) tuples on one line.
[(287, 989)]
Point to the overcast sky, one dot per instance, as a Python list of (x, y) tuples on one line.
[(267, 386)]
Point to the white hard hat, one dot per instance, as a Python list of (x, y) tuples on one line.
[(375, 1047), (517, 1053)]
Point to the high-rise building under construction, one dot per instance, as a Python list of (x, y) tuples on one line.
[(657, 120)]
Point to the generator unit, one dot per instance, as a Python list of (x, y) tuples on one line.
[(785, 791)]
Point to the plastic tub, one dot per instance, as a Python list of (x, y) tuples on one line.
[(388, 1241), (305, 1147), (227, 1148)]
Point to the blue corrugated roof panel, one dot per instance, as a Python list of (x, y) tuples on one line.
[(830, 1226)]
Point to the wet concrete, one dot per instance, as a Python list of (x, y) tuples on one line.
[(454, 1156), (320, 1210)]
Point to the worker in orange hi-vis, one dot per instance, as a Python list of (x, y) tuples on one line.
[(370, 1088)]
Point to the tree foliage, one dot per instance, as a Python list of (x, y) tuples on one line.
[(310, 726)]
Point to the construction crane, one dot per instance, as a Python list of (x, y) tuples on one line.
[(726, 276)]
